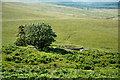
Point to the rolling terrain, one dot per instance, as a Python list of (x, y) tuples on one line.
[(95, 30), (73, 30), (47, 10)]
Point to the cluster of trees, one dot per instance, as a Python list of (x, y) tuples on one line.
[(39, 35)]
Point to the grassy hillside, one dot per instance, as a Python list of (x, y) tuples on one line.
[(12, 11), (89, 33), (47, 10), (30, 63), (85, 33), (73, 26)]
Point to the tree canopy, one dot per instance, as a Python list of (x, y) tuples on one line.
[(39, 35)]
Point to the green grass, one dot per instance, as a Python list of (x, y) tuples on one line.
[(84, 32), (46, 10), (23, 61), (72, 30), (11, 11), (96, 34)]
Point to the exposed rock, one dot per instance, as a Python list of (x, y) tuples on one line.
[(71, 47)]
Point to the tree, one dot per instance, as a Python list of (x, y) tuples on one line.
[(21, 37), (39, 35)]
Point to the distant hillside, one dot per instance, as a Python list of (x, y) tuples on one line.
[(19, 10), (29, 10), (46, 0), (10, 0), (90, 5)]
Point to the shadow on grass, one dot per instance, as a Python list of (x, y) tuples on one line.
[(57, 51)]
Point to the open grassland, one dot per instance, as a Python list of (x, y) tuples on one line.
[(84, 32), (47, 10), (89, 33), (73, 26)]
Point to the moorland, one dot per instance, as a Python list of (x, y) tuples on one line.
[(95, 29)]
